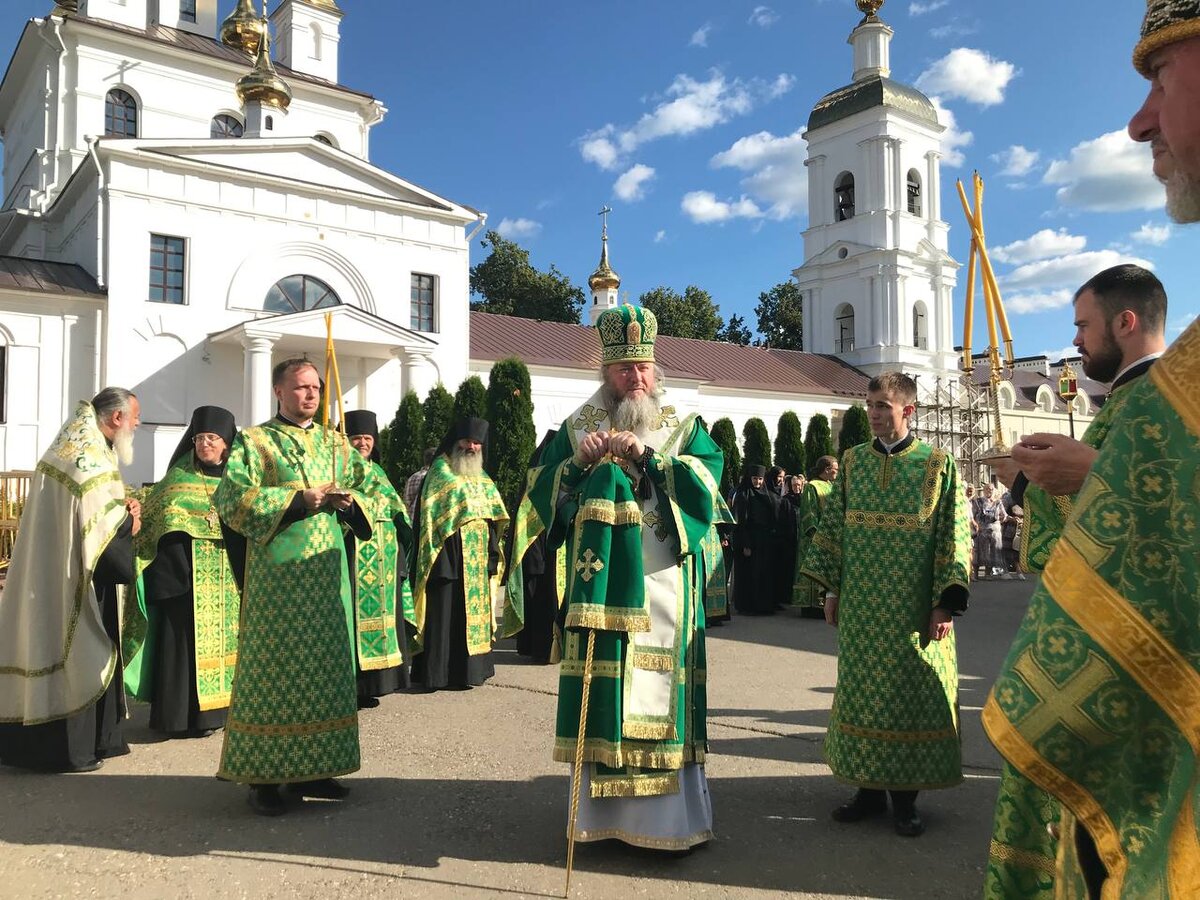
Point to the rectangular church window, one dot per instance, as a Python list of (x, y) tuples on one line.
[(422, 302), (187, 10), (167, 261)]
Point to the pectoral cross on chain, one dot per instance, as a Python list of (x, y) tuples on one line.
[(587, 566)]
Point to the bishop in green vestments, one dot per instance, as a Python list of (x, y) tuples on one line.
[(1120, 316), (629, 491), (288, 487), (893, 551)]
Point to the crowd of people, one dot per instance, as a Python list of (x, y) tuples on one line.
[(275, 584)]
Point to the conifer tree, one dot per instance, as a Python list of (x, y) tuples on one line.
[(724, 435), (818, 441), (856, 429), (789, 444), (438, 410), (470, 399), (511, 437), (406, 439), (756, 443)]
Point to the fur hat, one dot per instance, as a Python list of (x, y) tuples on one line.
[(1166, 22)]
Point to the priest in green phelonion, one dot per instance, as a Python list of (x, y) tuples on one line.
[(629, 489), (180, 637), (383, 602)]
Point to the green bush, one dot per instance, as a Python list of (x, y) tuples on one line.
[(725, 436), (856, 429), (756, 443), (789, 444), (818, 441), (406, 441), (511, 438)]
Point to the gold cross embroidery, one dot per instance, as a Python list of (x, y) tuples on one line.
[(655, 521), (1060, 704), (589, 418), (587, 566), (667, 418)]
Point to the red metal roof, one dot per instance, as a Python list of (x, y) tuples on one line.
[(568, 346)]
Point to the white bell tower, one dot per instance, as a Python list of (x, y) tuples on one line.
[(604, 282), (877, 280)]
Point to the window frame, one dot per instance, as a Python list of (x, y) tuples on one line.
[(914, 195), (305, 281), (225, 117), (416, 303), (166, 270), (110, 109), (843, 312), (844, 197), (187, 8)]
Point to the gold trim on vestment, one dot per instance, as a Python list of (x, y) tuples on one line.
[(891, 521), (645, 658), (606, 511), (1176, 375), (1005, 853), (632, 785), (1183, 857), (616, 755), (304, 728), (607, 618), (648, 843)]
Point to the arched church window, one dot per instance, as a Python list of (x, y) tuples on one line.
[(914, 192), (120, 114), (300, 292), (843, 340), (919, 320), (843, 197), (226, 126), (324, 139), (316, 38)]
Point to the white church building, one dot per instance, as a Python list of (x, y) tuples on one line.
[(184, 202)]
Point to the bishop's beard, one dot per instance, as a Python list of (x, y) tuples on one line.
[(123, 445), (638, 414), (466, 463)]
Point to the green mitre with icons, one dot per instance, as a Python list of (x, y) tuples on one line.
[(627, 334)]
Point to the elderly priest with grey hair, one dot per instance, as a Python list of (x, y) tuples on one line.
[(61, 702)]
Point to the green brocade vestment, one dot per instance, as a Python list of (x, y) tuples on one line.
[(805, 591), (293, 715), (1098, 702), (375, 590), (182, 502), (893, 537), (633, 575)]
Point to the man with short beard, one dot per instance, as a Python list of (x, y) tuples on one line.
[(61, 699), (629, 490), (458, 521), (1120, 317)]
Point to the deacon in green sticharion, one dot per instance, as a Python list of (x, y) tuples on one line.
[(289, 486), (893, 550), (383, 600), (629, 491), (807, 594), (181, 636)]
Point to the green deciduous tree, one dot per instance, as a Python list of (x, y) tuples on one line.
[(438, 409), (781, 317), (511, 438), (694, 315), (856, 429), (789, 444), (818, 441), (510, 285), (735, 331), (406, 441), (724, 435), (471, 399), (756, 443)]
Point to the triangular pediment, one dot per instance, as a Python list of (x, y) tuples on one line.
[(308, 162), (355, 331), (832, 253)]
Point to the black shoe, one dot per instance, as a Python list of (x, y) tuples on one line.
[(264, 799), (325, 789), (368, 702), (864, 805), (909, 824), (87, 767)]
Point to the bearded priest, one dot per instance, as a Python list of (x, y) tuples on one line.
[(629, 490)]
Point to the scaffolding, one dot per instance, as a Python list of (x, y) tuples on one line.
[(952, 414)]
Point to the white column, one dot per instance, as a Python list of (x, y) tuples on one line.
[(819, 192), (256, 380), (933, 193), (68, 325), (414, 361)]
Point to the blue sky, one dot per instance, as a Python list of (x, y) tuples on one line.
[(685, 118)]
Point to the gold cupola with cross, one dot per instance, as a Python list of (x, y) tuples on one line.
[(605, 283)]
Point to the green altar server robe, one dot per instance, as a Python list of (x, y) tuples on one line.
[(892, 544), (633, 575), (805, 591), (380, 576), (1098, 702), (293, 715)]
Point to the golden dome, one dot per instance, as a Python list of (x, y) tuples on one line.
[(327, 4), (868, 7), (604, 276), (243, 28), (263, 85), (66, 7)]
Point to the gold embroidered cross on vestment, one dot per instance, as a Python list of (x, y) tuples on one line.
[(587, 566)]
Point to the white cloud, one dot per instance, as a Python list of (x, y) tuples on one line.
[(776, 170), (703, 208), (920, 9), (1068, 271), (970, 75), (689, 106), (955, 28), (1041, 245), (1016, 161), (1150, 233), (660, 236), (1039, 301), (763, 17), (1068, 352), (953, 140), (1177, 326), (631, 185), (1111, 173), (700, 35), (518, 228)]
